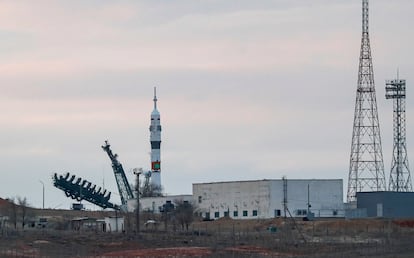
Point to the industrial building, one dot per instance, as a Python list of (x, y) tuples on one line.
[(270, 198), (158, 203), (386, 204), (257, 199)]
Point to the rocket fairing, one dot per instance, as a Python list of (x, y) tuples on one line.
[(155, 139)]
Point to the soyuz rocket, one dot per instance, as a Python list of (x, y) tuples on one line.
[(155, 139)]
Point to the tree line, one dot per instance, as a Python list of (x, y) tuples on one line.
[(16, 210)]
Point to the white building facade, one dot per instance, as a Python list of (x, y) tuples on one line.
[(268, 198), (114, 224)]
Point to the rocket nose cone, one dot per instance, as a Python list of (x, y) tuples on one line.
[(155, 112)]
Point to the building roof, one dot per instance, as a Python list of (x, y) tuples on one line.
[(3, 202), (83, 219), (265, 180)]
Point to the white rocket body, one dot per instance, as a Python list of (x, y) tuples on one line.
[(155, 139)]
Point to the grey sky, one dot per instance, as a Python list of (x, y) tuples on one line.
[(247, 89)]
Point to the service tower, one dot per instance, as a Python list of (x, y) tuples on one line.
[(155, 139)]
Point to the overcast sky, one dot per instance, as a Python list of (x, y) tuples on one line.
[(247, 89)]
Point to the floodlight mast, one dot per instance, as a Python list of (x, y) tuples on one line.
[(400, 179)]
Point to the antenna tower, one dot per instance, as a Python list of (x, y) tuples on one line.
[(366, 170), (400, 180)]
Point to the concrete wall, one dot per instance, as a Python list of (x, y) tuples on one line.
[(387, 204), (264, 198)]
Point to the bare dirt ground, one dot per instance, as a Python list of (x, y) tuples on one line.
[(224, 238)]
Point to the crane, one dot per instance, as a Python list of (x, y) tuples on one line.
[(122, 182)]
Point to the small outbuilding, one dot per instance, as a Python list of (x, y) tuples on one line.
[(114, 224), (84, 224)]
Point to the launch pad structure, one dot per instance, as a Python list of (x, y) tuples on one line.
[(152, 185), (124, 188), (366, 167)]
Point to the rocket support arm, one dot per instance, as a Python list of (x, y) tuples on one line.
[(124, 188)]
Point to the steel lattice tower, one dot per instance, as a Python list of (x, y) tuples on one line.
[(400, 180), (366, 170)]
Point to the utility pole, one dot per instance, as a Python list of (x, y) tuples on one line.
[(307, 213), (137, 172), (43, 193), (285, 208)]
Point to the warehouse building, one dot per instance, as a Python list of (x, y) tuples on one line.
[(386, 204), (270, 198)]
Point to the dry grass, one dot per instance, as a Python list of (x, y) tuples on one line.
[(224, 238)]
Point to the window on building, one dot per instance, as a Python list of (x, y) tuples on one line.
[(244, 213), (207, 215), (254, 213), (235, 213), (301, 212), (335, 213), (278, 213), (216, 214), (226, 214), (199, 199)]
